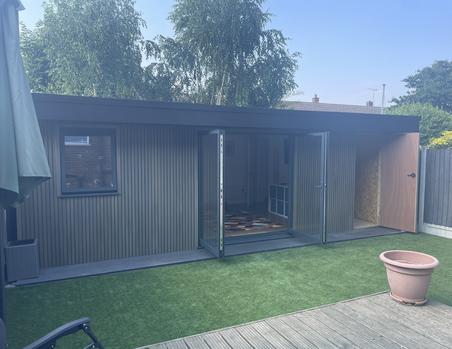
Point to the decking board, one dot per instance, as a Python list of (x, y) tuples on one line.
[(308, 332), (363, 332), (323, 330), (374, 321), (294, 337), (360, 340), (272, 336), (216, 340), (234, 339)]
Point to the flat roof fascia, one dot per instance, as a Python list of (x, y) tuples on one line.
[(107, 110)]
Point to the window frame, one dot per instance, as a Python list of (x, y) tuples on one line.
[(285, 200), (90, 132), (76, 144)]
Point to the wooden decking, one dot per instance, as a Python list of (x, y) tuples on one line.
[(369, 322)]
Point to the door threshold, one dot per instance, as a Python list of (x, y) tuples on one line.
[(264, 236)]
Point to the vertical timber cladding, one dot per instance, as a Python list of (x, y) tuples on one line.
[(154, 211), (341, 167), (307, 199)]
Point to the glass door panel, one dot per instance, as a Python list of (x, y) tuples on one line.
[(211, 192)]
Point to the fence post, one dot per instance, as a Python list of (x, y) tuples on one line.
[(421, 197), (2, 261)]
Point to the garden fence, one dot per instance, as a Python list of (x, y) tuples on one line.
[(435, 192)]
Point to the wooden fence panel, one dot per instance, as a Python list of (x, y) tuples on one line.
[(438, 187)]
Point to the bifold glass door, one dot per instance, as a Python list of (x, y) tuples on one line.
[(309, 187), (211, 199)]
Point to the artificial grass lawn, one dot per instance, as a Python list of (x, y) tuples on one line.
[(137, 308)]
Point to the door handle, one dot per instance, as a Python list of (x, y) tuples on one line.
[(412, 175)]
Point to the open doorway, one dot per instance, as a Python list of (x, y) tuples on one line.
[(303, 189), (371, 185), (256, 184), (354, 180)]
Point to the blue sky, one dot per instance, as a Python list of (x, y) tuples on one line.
[(348, 47)]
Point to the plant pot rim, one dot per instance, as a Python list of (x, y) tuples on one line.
[(433, 264)]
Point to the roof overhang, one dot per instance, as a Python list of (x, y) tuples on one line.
[(108, 110)]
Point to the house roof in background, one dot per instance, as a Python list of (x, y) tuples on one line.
[(331, 107), (78, 109)]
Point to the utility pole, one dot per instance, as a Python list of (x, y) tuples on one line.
[(373, 90), (383, 99)]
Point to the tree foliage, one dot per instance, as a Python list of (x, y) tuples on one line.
[(222, 54), (432, 85), (442, 142), (36, 63), (84, 47), (433, 123)]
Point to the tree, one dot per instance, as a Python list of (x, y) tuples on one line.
[(222, 54), (84, 47), (442, 142), (432, 85), (433, 121), (36, 63)]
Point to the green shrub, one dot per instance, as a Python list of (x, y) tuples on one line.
[(444, 141), (433, 123)]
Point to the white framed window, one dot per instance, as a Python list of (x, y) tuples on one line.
[(76, 140), (278, 200)]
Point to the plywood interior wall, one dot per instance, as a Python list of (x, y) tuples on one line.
[(367, 190)]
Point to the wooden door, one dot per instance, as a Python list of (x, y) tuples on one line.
[(399, 159)]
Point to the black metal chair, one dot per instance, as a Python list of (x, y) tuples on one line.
[(49, 341)]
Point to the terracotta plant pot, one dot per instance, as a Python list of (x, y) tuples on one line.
[(409, 275)]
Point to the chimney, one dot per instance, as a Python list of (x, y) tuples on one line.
[(315, 99), (369, 104)]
